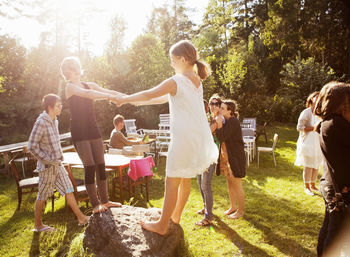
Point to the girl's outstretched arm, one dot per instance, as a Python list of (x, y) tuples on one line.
[(158, 100), (98, 88), (166, 87), (72, 89)]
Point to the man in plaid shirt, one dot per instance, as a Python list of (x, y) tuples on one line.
[(44, 144)]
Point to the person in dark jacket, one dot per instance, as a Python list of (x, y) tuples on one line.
[(232, 157), (333, 107)]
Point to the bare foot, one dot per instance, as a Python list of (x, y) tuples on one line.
[(230, 211), (99, 208), (236, 215), (84, 221), (154, 227), (175, 219), (112, 204)]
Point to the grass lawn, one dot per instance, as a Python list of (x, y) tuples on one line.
[(280, 219)]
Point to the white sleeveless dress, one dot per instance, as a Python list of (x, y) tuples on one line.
[(309, 152), (192, 148)]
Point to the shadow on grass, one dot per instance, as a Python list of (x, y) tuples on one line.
[(35, 246), (279, 227), (279, 219), (244, 246)]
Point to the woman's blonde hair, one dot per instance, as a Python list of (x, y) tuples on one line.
[(70, 65), (186, 49)]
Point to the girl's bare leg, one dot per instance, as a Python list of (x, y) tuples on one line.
[(183, 194), (170, 199), (313, 179)]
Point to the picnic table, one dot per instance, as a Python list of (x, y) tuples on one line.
[(7, 150), (112, 161)]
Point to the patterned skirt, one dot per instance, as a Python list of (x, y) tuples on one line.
[(225, 168)]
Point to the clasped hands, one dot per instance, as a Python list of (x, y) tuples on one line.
[(118, 99)]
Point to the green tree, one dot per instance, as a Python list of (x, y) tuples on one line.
[(171, 23), (148, 67), (299, 78)]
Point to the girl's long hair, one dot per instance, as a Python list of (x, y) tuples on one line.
[(186, 49), (334, 98)]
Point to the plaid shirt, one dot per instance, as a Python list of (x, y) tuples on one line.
[(44, 142)]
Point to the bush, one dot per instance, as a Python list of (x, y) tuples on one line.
[(299, 78)]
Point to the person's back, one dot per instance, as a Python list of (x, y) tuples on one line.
[(118, 140), (334, 144), (189, 130)]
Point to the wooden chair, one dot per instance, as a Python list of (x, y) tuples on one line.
[(25, 186), (122, 182), (269, 149), (80, 192), (141, 181), (27, 160), (262, 132)]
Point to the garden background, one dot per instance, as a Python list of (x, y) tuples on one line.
[(266, 54)]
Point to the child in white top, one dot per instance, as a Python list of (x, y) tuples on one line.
[(192, 148)]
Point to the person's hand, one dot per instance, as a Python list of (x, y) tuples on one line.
[(218, 120), (118, 100)]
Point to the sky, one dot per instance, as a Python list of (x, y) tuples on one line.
[(135, 13)]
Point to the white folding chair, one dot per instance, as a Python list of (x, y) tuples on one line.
[(164, 121), (130, 128), (252, 122), (249, 142), (269, 149)]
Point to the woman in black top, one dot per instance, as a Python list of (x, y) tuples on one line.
[(333, 106), (232, 157), (85, 133)]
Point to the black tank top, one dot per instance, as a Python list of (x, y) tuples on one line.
[(83, 124)]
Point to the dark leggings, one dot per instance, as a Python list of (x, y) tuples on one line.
[(91, 153)]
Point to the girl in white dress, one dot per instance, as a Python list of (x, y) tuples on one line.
[(192, 148), (309, 153)]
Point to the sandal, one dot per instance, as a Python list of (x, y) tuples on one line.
[(44, 229), (204, 223), (202, 211), (227, 212)]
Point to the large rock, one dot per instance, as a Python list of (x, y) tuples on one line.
[(117, 232)]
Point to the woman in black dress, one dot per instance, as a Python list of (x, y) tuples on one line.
[(85, 133), (232, 157)]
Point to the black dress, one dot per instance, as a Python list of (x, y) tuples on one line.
[(83, 124), (231, 134)]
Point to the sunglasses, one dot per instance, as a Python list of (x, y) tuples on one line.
[(215, 103)]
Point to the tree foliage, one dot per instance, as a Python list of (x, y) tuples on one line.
[(267, 55)]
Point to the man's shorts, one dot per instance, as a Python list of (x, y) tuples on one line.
[(54, 177)]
